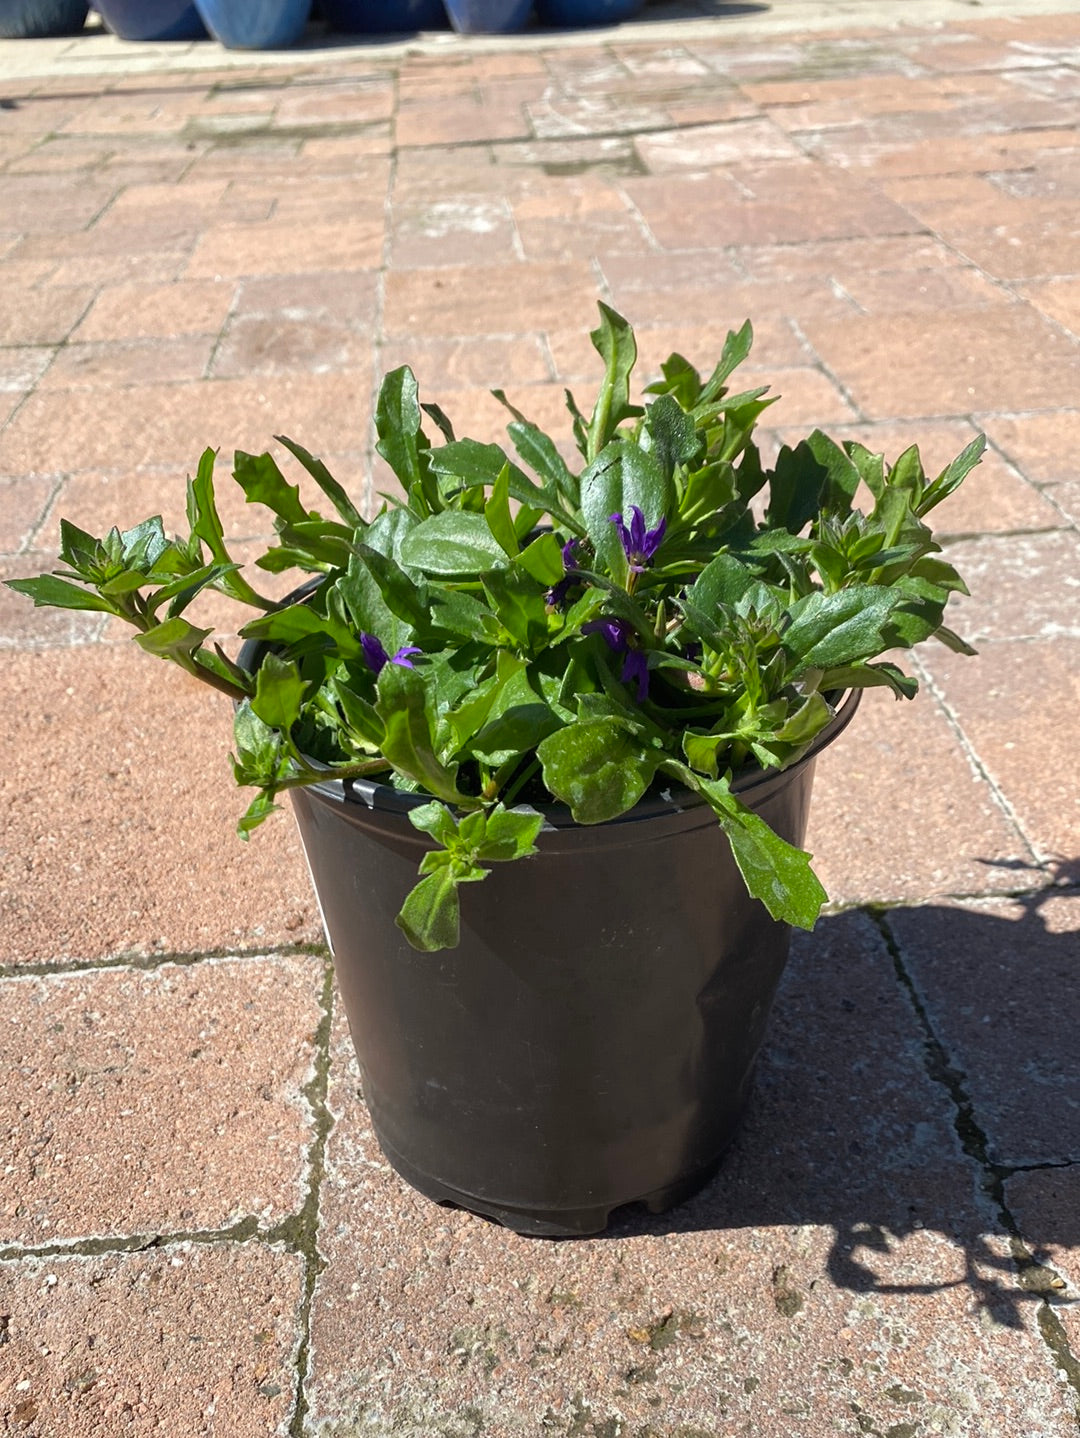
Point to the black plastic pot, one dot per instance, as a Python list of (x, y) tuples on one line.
[(591, 1042)]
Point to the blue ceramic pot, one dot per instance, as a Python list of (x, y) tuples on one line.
[(152, 19), (383, 17), (255, 24), (488, 17), (38, 19), (574, 14)]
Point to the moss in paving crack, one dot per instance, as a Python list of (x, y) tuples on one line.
[(1032, 1276), (301, 1231), (148, 963)]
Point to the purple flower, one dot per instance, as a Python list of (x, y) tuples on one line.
[(620, 636), (376, 656), (639, 544), (556, 595)]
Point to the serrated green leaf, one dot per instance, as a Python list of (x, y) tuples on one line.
[(172, 639), (614, 341), (406, 710), (325, 480), (624, 475), (263, 483), (50, 590), (773, 870), (497, 513), (430, 917)]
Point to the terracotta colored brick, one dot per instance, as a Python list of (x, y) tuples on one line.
[(442, 365), (1021, 252), (464, 300), (118, 365), (997, 982), (961, 361), (846, 260), (153, 311), (1016, 704), (458, 120), (157, 1102), (186, 1339), (1021, 587), (283, 249), (900, 815), (453, 232), (890, 291), (332, 297), (116, 859), (701, 146), (1057, 299), (173, 423), (39, 317), (23, 503), (47, 202), (22, 366), (838, 1264), (281, 346), (1041, 446), (783, 203)]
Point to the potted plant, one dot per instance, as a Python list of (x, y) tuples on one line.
[(549, 733)]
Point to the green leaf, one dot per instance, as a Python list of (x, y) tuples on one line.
[(50, 590), (205, 525), (841, 475), (397, 423), (832, 629), (520, 606), (614, 341), (260, 808), (541, 454), (325, 480), (406, 710), (737, 347), (598, 767), (509, 834), (624, 475), (673, 436), (401, 594), (301, 626), (773, 870), (796, 485), (870, 676), (430, 917), (434, 819), (279, 692), (497, 513), (263, 483), (453, 543), (952, 475), (172, 639), (543, 559)]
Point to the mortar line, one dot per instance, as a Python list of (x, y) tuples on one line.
[(970, 753), (148, 963), (1033, 1275)]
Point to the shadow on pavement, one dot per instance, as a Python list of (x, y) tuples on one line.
[(908, 1069)]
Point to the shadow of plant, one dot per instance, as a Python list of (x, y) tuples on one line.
[(915, 1062)]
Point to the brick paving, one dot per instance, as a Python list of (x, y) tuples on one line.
[(198, 1234)]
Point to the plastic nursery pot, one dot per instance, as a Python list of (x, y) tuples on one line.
[(152, 19), (255, 24), (488, 17), (384, 17), (39, 19), (574, 14), (591, 1041)]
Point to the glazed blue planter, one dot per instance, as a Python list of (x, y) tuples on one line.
[(383, 17), (255, 24), (38, 19), (576, 14), (488, 17), (152, 19)]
